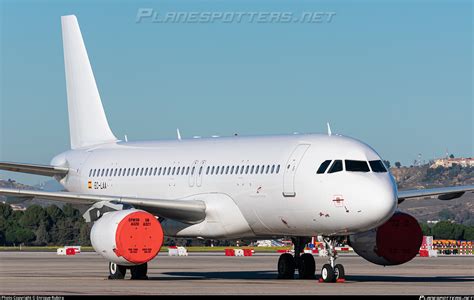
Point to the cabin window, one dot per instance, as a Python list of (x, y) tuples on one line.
[(278, 169), (169, 171), (268, 169)]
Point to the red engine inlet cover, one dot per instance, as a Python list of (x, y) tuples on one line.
[(139, 237), (399, 239)]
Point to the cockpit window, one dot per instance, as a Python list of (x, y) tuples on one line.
[(323, 167), (336, 166), (357, 166), (377, 166)]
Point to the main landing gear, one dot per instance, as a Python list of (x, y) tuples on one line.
[(304, 263), (331, 272), (118, 272)]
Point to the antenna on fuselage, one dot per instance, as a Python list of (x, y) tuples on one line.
[(179, 134), (126, 138), (329, 129)]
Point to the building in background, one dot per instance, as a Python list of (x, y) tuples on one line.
[(449, 162)]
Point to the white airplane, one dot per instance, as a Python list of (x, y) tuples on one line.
[(223, 188)]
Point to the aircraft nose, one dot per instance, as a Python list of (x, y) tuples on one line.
[(383, 201)]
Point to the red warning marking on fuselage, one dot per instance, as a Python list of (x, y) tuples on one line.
[(338, 200)]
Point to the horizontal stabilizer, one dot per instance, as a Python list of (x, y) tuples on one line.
[(34, 169)]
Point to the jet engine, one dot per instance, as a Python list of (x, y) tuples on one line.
[(395, 242), (127, 237)]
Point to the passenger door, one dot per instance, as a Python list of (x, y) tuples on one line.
[(290, 170)]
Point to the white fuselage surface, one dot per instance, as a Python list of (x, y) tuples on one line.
[(252, 186)]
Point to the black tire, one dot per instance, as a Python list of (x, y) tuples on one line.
[(286, 266), (139, 272), (117, 271), (339, 272), (327, 273), (306, 266)]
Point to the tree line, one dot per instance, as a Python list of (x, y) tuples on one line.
[(448, 230), (38, 226)]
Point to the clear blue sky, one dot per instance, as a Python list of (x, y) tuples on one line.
[(395, 74)]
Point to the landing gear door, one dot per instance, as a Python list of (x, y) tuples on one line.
[(290, 170)]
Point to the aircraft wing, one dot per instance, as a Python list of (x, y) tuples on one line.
[(444, 193), (187, 211), (43, 170)]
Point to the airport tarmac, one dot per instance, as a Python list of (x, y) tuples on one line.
[(41, 273)]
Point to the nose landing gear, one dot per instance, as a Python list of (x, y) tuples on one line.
[(331, 272)]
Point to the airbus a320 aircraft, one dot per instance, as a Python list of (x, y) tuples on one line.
[(235, 187)]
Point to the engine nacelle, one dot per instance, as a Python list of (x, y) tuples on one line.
[(395, 242), (127, 237)]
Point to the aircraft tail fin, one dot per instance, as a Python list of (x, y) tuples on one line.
[(88, 124)]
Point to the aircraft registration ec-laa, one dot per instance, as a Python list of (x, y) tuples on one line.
[(235, 187)]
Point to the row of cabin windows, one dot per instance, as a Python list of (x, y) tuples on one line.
[(377, 166), (165, 171)]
